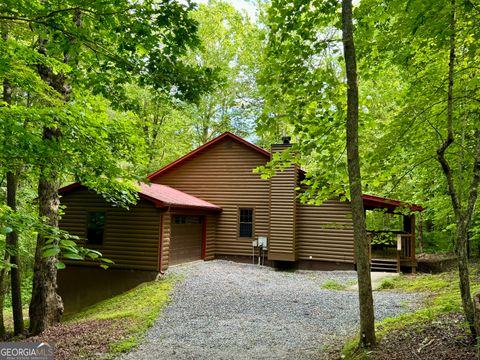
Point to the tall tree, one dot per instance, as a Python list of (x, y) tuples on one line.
[(430, 46), (75, 132), (305, 42), (367, 318), (232, 44), (11, 247), (463, 215)]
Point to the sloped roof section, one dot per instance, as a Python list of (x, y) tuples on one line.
[(162, 196), (166, 196), (205, 146), (372, 201)]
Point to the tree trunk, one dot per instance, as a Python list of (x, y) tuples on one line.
[(46, 307), (464, 275), (3, 289), (7, 98), (367, 319), (12, 248), (476, 302), (463, 216)]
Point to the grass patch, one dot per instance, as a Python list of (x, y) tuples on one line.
[(112, 326), (137, 309), (337, 286), (442, 298), (420, 283)]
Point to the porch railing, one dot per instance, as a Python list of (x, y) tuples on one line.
[(391, 245), (407, 250)]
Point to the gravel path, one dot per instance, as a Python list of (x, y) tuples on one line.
[(226, 310)]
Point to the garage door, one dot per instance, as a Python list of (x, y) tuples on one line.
[(186, 239)]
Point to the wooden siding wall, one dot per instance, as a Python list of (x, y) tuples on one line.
[(222, 175), (211, 234), (167, 230), (282, 199), (131, 237), (325, 232)]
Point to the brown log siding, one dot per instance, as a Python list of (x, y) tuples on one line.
[(131, 237), (325, 232), (166, 232), (282, 245), (211, 233), (222, 175)]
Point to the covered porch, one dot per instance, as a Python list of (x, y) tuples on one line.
[(391, 234)]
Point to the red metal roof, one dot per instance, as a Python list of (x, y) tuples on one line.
[(166, 196), (384, 203), (206, 145), (162, 196)]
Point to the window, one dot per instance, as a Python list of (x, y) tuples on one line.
[(187, 220), (95, 228), (179, 219), (246, 223)]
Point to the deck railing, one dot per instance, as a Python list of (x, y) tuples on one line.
[(391, 244), (407, 251)]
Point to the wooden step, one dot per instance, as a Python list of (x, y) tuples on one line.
[(384, 265)]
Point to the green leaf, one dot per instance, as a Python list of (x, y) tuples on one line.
[(51, 252), (108, 261), (69, 243), (92, 255), (72, 256), (7, 230), (60, 265)]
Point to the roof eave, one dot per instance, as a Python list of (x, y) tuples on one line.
[(384, 203)]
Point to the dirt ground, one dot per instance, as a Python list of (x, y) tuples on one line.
[(444, 339)]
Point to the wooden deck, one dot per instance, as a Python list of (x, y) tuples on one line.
[(396, 251)]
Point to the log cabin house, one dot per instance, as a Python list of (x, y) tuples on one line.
[(210, 204)]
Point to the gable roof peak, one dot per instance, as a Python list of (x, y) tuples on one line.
[(226, 134)]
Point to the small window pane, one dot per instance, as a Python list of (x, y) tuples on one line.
[(246, 230), (179, 219), (246, 223), (95, 228)]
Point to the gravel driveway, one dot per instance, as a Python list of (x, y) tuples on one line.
[(226, 310)]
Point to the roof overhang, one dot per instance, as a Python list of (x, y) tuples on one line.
[(189, 202), (376, 202)]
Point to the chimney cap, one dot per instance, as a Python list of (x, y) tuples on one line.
[(286, 139)]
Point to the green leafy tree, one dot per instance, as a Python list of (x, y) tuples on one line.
[(431, 46), (303, 81), (232, 44), (367, 318), (73, 132)]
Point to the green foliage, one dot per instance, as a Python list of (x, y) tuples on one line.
[(441, 297), (335, 285), (387, 283), (423, 282), (404, 52), (65, 63), (231, 43)]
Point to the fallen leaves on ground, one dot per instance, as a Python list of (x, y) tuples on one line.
[(444, 338), (82, 340)]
